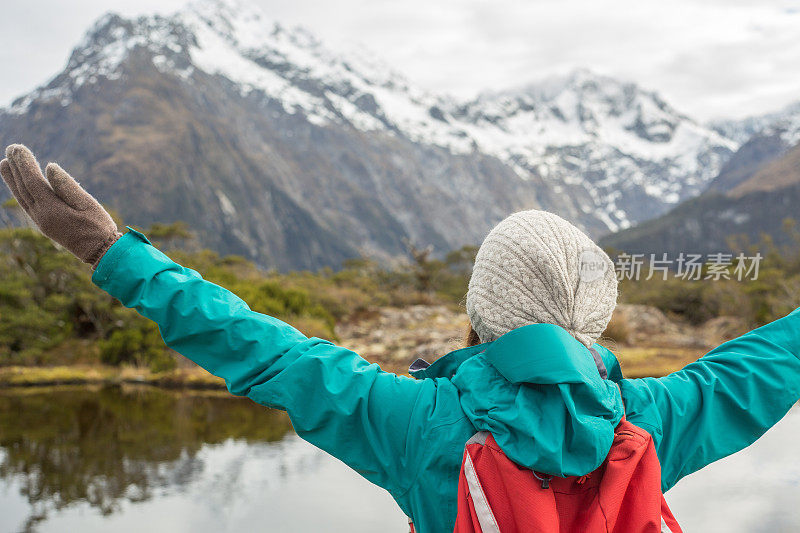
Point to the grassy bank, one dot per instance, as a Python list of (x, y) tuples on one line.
[(636, 362), (656, 362), (187, 378)]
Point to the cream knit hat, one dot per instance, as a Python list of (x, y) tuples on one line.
[(535, 267)]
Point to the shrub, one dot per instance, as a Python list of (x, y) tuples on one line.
[(138, 343)]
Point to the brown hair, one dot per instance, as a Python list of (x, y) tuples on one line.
[(471, 338)]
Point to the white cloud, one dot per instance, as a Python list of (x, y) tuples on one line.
[(708, 57)]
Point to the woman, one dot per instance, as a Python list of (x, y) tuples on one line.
[(540, 295)]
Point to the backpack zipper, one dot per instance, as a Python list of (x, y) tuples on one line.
[(545, 479)]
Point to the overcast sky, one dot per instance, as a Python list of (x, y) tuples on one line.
[(709, 58)]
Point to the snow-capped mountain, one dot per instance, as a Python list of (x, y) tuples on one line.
[(763, 139), (784, 123), (627, 148), (267, 117), (753, 195)]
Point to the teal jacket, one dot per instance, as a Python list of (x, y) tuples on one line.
[(536, 389)]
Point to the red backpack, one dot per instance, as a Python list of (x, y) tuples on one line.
[(622, 495)]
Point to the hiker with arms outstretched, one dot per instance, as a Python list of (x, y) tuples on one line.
[(531, 427)]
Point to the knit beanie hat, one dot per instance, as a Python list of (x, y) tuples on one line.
[(534, 267)]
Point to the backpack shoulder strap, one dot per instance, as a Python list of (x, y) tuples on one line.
[(598, 361), (478, 438)]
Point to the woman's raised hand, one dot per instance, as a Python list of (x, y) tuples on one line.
[(59, 206)]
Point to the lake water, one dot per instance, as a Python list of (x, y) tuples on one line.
[(142, 459)]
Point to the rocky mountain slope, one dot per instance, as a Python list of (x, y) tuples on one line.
[(755, 204), (757, 189), (277, 148), (784, 123), (763, 139)]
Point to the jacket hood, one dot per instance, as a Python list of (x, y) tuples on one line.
[(538, 391)]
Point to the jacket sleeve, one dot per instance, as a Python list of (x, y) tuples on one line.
[(722, 402), (336, 400)]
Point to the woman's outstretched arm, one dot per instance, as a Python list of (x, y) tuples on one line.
[(335, 399), (722, 402)]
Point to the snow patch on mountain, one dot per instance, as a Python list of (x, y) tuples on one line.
[(102, 52), (785, 123), (563, 129)]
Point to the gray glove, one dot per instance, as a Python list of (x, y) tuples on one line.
[(60, 207)]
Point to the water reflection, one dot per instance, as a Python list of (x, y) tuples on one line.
[(103, 446), (757, 489), (133, 459)]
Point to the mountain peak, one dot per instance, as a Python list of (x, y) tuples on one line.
[(583, 79), (784, 123)]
